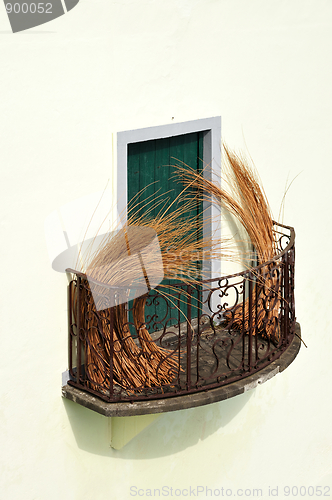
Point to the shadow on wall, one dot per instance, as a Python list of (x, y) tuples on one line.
[(169, 434)]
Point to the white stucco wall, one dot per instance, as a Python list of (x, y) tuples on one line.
[(66, 87)]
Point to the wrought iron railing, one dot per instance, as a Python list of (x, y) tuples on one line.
[(202, 336)]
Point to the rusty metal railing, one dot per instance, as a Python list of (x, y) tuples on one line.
[(199, 337)]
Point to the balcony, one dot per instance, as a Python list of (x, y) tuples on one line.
[(207, 342)]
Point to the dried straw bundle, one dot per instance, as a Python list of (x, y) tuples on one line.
[(248, 203), (147, 365)]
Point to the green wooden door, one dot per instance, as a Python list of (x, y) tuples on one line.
[(151, 173)]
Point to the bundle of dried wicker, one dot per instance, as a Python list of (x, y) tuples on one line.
[(116, 264), (248, 203)]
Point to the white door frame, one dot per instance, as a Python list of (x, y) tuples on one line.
[(211, 157)]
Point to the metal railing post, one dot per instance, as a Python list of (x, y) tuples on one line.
[(111, 348), (189, 333), (286, 297), (79, 310), (250, 326)]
